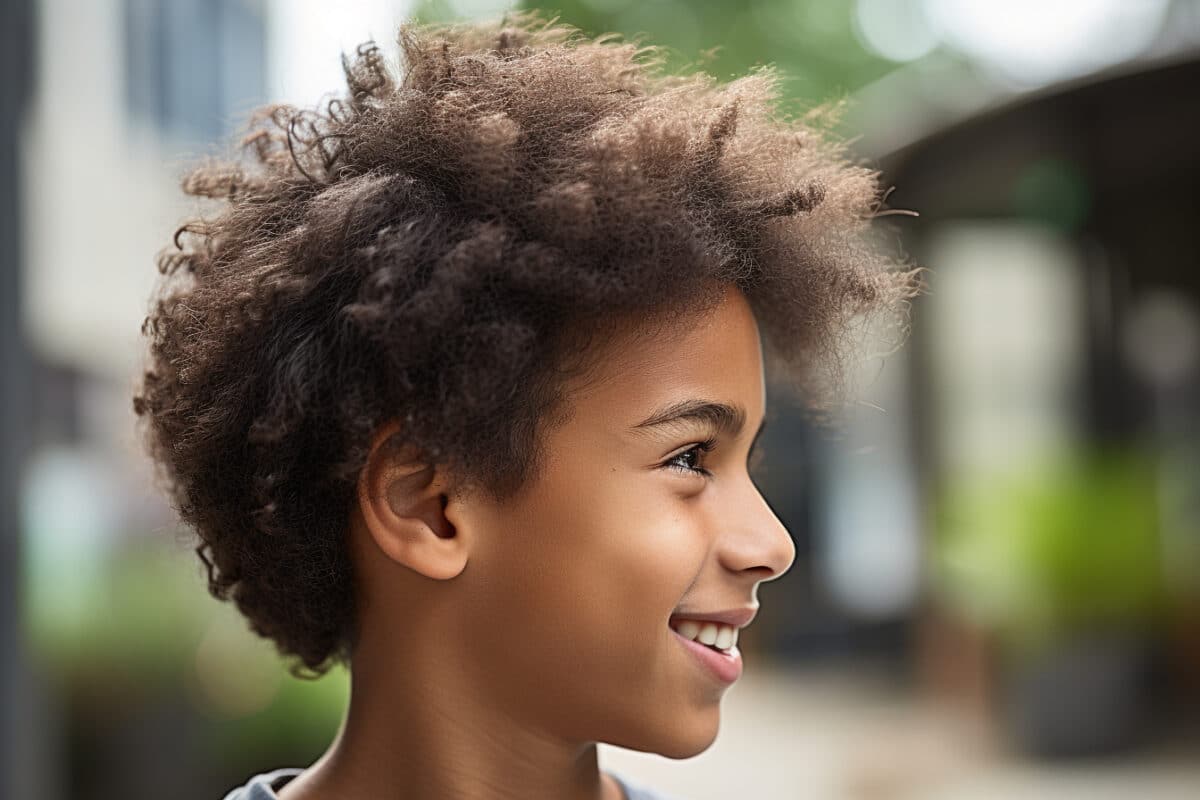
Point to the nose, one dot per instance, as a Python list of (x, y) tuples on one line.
[(755, 539)]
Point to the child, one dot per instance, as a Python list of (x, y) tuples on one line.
[(459, 387)]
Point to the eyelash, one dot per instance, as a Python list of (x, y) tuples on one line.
[(705, 446), (699, 447)]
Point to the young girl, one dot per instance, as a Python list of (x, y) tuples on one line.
[(459, 387)]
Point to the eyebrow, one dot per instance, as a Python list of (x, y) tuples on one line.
[(723, 417)]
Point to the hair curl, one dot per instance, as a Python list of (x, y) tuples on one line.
[(434, 246)]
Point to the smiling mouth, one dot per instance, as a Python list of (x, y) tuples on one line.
[(717, 637), (725, 666)]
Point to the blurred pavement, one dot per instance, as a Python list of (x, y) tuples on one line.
[(831, 734)]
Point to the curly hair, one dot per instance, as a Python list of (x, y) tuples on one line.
[(435, 245)]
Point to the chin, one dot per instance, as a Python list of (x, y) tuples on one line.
[(689, 737), (686, 752), (693, 745)]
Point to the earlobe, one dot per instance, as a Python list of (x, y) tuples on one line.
[(402, 501)]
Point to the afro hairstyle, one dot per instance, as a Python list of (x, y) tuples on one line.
[(442, 244)]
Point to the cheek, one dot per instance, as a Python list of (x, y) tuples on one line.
[(595, 575), (620, 557), (597, 571)]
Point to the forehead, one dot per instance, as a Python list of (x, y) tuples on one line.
[(716, 356)]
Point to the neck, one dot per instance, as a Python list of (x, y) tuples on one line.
[(436, 733)]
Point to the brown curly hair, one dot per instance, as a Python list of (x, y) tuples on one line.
[(440, 248)]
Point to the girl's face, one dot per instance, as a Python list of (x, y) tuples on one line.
[(569, 586)]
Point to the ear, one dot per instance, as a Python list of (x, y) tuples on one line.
[(402, 499)]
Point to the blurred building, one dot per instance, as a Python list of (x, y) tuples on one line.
[(1063, 329), (18, 765), (121, 94)]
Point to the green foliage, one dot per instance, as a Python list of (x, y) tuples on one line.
[(1065, 545), (146, 629), (1053, 191), (811, 41), (133, 620)]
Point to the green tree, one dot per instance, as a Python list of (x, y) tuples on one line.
[(812, 42)]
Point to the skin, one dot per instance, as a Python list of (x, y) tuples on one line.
[(500, 642)]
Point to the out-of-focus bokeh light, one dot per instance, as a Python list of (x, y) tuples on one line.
[(1161, 337), (895, 30), (1032, 42), (222, 651), (305, 40)]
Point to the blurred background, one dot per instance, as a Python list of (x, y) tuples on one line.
[(997, 585)]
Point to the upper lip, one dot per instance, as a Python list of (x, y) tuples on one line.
[(737, 617)]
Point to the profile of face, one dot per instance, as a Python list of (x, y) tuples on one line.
[(554, 604)]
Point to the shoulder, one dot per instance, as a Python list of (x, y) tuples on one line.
[(635, 790), (263, 785)]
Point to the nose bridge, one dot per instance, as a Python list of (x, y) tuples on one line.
[(753, 536)]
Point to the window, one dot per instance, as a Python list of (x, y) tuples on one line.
[(194, 68)]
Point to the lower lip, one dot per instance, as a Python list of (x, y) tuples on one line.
[(725, 668)]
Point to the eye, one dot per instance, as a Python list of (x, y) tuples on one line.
[(689, 460)]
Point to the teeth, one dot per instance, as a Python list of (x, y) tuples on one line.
[(725, 638), (712, 634)]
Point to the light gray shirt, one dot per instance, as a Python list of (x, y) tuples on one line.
[(263, 785)]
